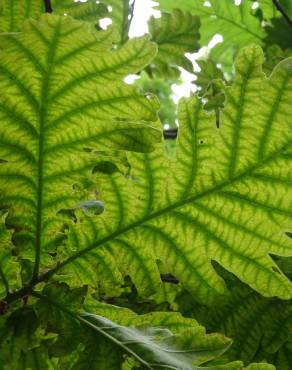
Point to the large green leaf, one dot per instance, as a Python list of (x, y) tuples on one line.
[(63, 98), (157, 340), (226, 197), (13, 12), (19, 335), (158, 348), (237, 24), (175, 34), (261, 327)]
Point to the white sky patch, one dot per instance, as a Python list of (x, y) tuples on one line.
[(104, 23), (130, 79), (184, 89), (142, 12), (144, 9)]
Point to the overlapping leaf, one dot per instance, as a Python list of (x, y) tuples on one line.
[(270, 11), (237, 24), (226, 197), (261, 327), (157, 340), (208, 72), (63, 98), (175, 34), (13, 13), (120, 16)]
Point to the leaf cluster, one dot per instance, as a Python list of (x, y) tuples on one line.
[(117, 250)]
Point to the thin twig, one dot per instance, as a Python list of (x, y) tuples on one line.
[(128, 17), (280, 8), (131, 13), (48, 6)]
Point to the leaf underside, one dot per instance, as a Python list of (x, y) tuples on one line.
[(61, 102), (225, 197), (237, 24)]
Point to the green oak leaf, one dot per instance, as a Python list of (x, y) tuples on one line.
[(226, 196), (63, 99), (261, 327), (273, 55), (208, 72), (120, 15), (14, 13), (270, 11), (237, 24), (156, 340), (175, 34)]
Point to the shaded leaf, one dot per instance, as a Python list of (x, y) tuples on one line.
[(9, 267)]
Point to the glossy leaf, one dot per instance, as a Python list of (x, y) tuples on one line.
[(156, 340)]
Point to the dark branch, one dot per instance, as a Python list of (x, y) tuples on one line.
[(132, 12), (279, 6), (48, 6), (170, 134)]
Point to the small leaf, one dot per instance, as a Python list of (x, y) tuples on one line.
[(175, 34)]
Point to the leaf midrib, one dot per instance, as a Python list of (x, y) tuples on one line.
[(46, 79)]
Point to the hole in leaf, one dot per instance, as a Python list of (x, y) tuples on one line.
[(95, 207), (68, 213), (169, 278), (105, 167)]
